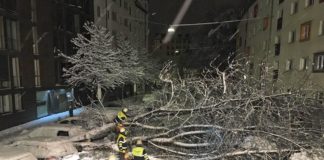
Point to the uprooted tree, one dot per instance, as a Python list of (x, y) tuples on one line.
[(226, 114)]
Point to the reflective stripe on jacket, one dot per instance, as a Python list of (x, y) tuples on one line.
[(121, 142), (138, 152)]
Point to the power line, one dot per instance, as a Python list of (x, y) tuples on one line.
[(215, 22)]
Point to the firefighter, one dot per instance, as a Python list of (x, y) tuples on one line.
[(138, 151), (122, 144), (121, 116)]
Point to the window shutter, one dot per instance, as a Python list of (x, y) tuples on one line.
[(320, 28)]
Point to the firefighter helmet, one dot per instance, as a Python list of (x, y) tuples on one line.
[(125, 110), (139, 142)]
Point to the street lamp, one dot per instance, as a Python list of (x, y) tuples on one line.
[(171, 29)]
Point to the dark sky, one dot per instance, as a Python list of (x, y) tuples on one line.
[(166, 10)]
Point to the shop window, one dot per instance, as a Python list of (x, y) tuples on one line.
[(5, 104), (4, 74), (305, 31), (318, 62)]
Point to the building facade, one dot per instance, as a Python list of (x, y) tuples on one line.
[(126, 17), (285, 39), (31, 31)]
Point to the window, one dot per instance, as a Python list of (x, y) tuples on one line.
[(16, 72), (120, 3), (318, 62), (11, 34), (280, 1), (305, 30), (302, 64), (125, 5), (35, 40), (98, 11), (255, 10), (288, 65), (265, 23), (275, 75), (321, 28), (309, 3), (279, 19), (130, 10), (2, 35), (37, 73), (276, 65), (126, 22), (5, 103), (293, 8), (320, 1), (18, 105), (4, 74), (277, 46), (114, 16), (76, 23), (291, 36)]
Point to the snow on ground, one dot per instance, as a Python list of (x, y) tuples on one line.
[(38, 122)]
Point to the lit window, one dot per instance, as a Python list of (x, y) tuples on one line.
[(291, 36), (318, 62), (305, 30)]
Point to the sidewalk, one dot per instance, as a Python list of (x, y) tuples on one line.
[(45, 120)]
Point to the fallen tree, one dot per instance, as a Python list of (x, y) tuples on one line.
[(210, 116)]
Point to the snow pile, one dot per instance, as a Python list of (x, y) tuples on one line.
[(317, 154), (253, 142)]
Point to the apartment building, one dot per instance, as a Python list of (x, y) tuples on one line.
[(126, 17), (30, 70), (285, 39)]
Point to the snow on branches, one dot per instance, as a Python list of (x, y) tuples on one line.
[(102, 59)]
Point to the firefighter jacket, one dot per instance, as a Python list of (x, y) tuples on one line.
[(139, 153), (121, 116), (121, 142)]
